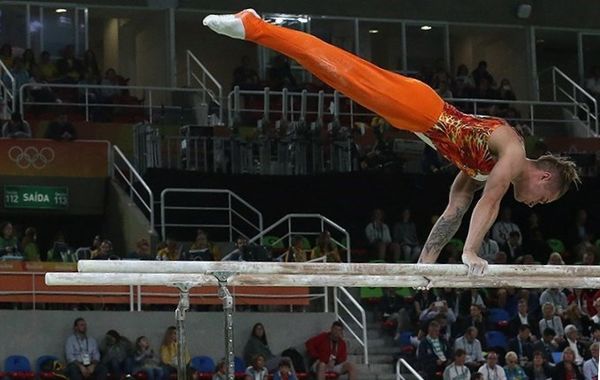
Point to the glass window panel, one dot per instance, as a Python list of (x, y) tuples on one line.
[(59, 29), (591, 53), (35, 29), (381, 43), (81, 31), (13, 27), (424, 49)]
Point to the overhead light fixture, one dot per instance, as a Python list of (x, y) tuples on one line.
[(279, 20), (426, 27), (61, 10), (373, 31)]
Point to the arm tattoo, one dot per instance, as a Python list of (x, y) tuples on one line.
[(441, 233)]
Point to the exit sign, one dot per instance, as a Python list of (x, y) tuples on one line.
[(36, 197)]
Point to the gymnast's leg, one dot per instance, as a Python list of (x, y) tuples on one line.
[(405, 103)]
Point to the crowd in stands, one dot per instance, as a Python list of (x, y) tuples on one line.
[(118, 357), (68, 69)]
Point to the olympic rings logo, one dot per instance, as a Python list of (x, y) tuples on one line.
[(31, 157)]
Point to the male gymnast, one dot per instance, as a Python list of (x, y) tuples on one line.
[(488, 151)]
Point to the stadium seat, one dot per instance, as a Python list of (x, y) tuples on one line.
[(557, 357), (496, 339), (18, 367), (40, 362), (498, 317), (239, 367), (556, 245), (204, 367)]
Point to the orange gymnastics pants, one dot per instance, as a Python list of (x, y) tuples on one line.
[(405, 103)]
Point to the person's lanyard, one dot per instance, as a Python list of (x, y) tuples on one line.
[(495, 374), (333, 346), (460, 375), (81, 347), (469, 347), (520, 348)]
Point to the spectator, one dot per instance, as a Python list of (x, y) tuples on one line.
[(501, 258), (109, 95), (523, 317), (60, 249), (481, 72), (555, 258), (537, 246), (31, 251), (522, 346), (90, 64), (6, 55), (284, 371), (595, 333), (257, 369), (142, 251), (513, 247), (18, 72), (573, 342), (491, 370), (280, 74), (512, 369), (540, 369), (476, 320), (329, 353), (590, 367), (489, 249), (463, 84), (69, 67), (550, 320), (405, 234), (378, 236), (557, 298), (203, 249), (595, 318), (171, 252), (103, 252), (257, 344), (547, 345), (220, 371), (48, 69), (38, 91), (443, 89), (433, 351), (469, 344), (457, 370), (28, 60), (579, 231), (245, 76), (61, 129), (8, 240), (145, 360), (325, 247), (16, 127), (115, 350), (168, 351), (83, 357), (566, 368), (296, 253), (573, 316), (241, 244), (502, 229), (471, 297), (505, 92), (439, 310)]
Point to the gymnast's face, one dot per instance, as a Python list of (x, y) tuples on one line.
[(536, 191)]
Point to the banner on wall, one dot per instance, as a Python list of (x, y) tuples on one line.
[(49, 158)]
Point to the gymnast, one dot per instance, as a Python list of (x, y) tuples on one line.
[(488, 151)]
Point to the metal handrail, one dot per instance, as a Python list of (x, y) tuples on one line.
[(11, 94), (572, 95), (401, 362), (89, 104), (205, 74), (130, 181), (362, 324), (288, 218), (230, 194)]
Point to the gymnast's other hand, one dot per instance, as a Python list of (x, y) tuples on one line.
[(477, 265)]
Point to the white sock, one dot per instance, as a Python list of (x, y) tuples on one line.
[(229, 24)]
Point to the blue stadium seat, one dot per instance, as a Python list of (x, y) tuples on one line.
[(498, 317), (496, 339), (40, 362), (18, 367), (557, 357), (239, 367), (204, 367)]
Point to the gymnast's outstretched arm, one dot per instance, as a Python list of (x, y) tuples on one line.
[(461, 196)]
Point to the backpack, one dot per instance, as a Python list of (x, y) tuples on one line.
[(55, 368), (296, 359)]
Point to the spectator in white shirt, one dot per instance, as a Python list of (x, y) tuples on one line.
[(557, 298), (491, 370), (471, 346), (457, 370), (590, 367), (379, 237), (550, 320)]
